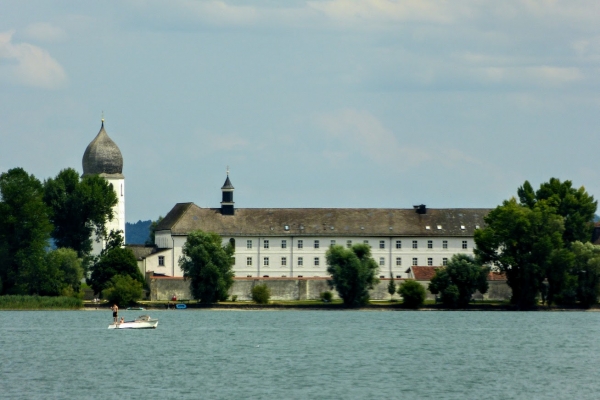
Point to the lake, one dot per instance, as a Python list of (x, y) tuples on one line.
[(301, 355)]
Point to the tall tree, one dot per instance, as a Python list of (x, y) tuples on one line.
[(152, 231), (209, 266), (79, 208), (586, 268), (459, 280), (352, 273), (24, 232), (114, 260), (520, 242), (63, 273)]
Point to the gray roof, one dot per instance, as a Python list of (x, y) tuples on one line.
[(141, 251), (102, 156), (227, 184), (187, 217)]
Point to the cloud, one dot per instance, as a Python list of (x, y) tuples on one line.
[(28, 65), (44, 32)]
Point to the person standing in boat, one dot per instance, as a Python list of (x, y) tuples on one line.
[(115, 311)]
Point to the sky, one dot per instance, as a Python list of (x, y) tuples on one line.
[(335, 103)]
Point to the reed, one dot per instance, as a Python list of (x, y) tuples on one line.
[(18, 302)]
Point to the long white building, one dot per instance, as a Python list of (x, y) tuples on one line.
[(292, 242)]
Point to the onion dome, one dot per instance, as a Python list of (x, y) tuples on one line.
[(102, 156)]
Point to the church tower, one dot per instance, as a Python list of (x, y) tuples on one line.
[(227, 202), (103, 157)]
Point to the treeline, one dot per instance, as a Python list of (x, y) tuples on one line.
[(69, 211)]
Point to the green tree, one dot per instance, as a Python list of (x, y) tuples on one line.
[(352, 273), (413, 293), (521, 242), (586, 268), (152, 231), (391, 286), (261, 294), (459, 280), (24, 233), (64, 272), (114, 260), (209, 265), (123, 290), (79, 208)]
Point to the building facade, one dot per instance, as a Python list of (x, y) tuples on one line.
[(292, 242)]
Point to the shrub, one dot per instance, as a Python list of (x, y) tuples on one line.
[(261, 294), (413, 293), (234, 297), (326, 296), (123, 290)]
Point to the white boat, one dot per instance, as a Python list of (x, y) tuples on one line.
[(141, 322)]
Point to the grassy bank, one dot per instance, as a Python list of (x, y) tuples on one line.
[(39, 303)]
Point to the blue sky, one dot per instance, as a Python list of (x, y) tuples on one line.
[(334, 103)]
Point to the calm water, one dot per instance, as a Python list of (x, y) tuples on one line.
[(301, 355)]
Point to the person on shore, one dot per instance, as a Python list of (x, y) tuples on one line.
[(115, 311)]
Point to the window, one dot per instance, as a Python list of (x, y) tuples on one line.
[(398, 244), (284, 244), (283, 261), (366, 242), (300, 261), (430, 244), (316, 244), (249, 261), (233, 260), (444, 261), (300, 243), (415, 244), (382, 244), (266, 244), (316, 261), (464, 244), (161, 261), (430, 262), (232, 242), (332, 242), (248, 244), (398, 261), (444, 244), (266, 261), (348, 243), (381, 261), (415, 261)]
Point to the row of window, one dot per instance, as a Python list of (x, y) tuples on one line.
[(317, 261), (317, 244)]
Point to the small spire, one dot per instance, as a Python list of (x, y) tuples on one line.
[(102, 119), (228, 170)]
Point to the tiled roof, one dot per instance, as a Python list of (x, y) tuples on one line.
[(142, 251), (187, 217)]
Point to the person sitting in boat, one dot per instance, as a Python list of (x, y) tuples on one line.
[(122, 320), (115, 310)]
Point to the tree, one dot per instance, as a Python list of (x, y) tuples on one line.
[(459, 280), (114, 260), (261, 294), (521, 241), (586, 268), (391, 286), (123, 290), (24, 232), (79, 208), (352, 273), (152, 231), (64, 272), (413, 293), (209, 265)]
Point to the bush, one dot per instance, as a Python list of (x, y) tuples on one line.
[(261, 294), (234, 297), (413, 293), (123, 290), (326, 296)]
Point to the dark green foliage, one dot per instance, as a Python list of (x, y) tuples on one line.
[(78, 208), (586, 270), (152, 231), (63, 273), (326, 296), (261, 294), (209, 266), (123, 290), (391, 286), (137, 233), (24, 233), (413, 293), (114, 260), (353, 273), (457, 282)]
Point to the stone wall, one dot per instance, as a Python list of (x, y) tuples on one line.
[(163, 288)]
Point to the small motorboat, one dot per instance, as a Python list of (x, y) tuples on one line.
[(141, 322), (136, 308)]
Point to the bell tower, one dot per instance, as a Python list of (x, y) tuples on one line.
[(227, 197)]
